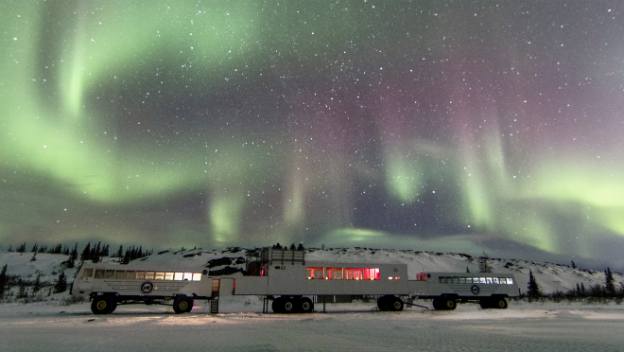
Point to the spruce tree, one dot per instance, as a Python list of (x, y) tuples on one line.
[(61, 283), (21, 293), (74, 252), (37, 285), (609, 286), (3, 280), (21, 248), (86, 252), (533, 288)]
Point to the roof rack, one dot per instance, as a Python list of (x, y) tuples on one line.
[(282, 256)]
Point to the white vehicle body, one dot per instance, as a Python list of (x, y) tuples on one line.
[(108, 285), (324, 278), (130, 280)]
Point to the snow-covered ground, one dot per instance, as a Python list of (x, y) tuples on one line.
[(49, 325), (346, 327)]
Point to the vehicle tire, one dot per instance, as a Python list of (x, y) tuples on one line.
[(485, 303), (437, 304), (277, 305), (306, 305), (103, 304), (396, 304), (289, 305), (383, 304), (499, 303), (380, 304), (449, 304), (182, 305)]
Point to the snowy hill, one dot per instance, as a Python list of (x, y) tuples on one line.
[(550, 277)]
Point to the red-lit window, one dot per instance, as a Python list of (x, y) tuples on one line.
[(315, 273), (353, 273), (362, 274), (334, 273), (422, 276), (372, 274)]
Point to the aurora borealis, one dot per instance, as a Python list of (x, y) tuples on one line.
[(452, 125)]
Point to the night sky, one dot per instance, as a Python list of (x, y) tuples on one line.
[(448, 125)]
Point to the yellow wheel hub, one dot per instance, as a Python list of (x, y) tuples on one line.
[(101, 305), (183, 305)]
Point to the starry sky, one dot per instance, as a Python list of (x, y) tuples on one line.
[(448, 125)]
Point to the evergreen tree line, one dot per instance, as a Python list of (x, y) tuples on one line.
[(8, 281), (91, 251), (607, 290), (36, 248)]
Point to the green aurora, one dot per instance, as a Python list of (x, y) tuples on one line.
[(397, 124)]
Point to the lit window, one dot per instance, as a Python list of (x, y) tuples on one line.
[(120, 275), (482, 280), (315, 273), (149, 275), (140, 275), (468, 280), (495, 280), (509, 281), (159, 275), (178, 276), (488, 280), (87, 273), (419, 276), (188, 276), (334, 273), (197, 276), (168, 276)]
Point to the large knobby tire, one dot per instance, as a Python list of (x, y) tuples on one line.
[(437, 304), (396, 304), (382, 303), (389, 303), (450, 304), (499, 303), (182, 305), (103, 304), (485, 304), (306, 305), (277, 305), (289, 305)]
